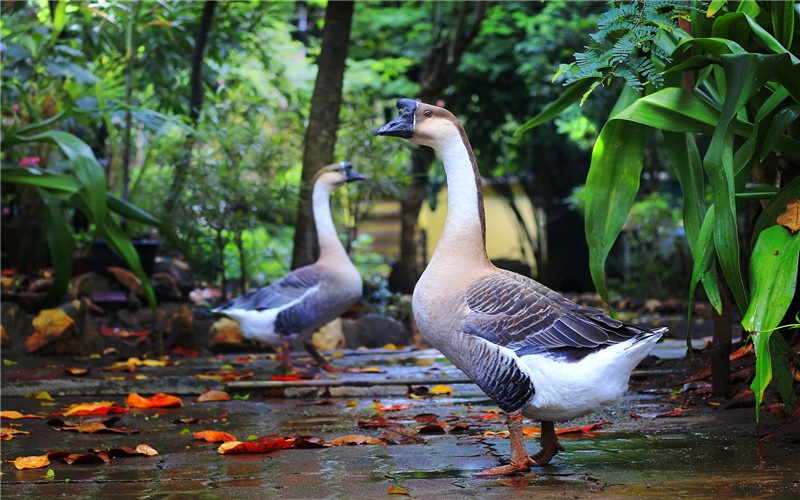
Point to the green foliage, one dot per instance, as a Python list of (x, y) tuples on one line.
[(627, 46), (743, 106)]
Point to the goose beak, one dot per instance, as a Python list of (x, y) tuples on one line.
[(403, 125), (351, 175)]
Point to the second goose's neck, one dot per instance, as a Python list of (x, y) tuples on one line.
[(329, 244), (464, 237)]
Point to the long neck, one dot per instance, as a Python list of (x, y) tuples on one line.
[(329, 244), (464, 237)]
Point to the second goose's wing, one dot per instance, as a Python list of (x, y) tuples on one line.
[(516, 312), (291, 288)]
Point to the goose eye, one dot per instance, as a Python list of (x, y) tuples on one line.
[(428, 113)]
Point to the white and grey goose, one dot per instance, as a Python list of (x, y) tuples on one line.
[(531, 350), (308, 297)]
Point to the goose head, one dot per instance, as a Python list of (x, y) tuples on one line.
[(423, 124), (337, 174)]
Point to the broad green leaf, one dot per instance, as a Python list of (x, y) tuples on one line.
[(611, 187), (703, 266), (93, 179), (773, 272), (714, 6), (714, 46), (131, 211), (71, 145), (570, 96), (776, 206), (59, 20), (61, 243), (672, 109), (40, 178), (777, 129), (745, 74)]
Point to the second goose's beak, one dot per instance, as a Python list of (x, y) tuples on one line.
[(351, 175), (403, 125)]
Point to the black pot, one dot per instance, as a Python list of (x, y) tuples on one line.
[(101, 257)]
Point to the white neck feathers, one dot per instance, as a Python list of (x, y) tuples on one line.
[(329, 244)]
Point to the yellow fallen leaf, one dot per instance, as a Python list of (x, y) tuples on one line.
[(40, 395), (8, 433), (390, 347), (8, 362), (14, 414), (440, 389), (398, 490), (146, 449), (31, 462)]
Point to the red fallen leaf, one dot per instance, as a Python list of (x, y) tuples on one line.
[(159, 400), (95, 408), (674, 413), (14, 414), (287, 378), (195, 420), (378, 421), (588, 429), (428, 418), (635, 415), (214, 436), (742, 351), (187, 352), (356, 439), (485, 416), (308, 442), (213, 395), (264, 444), (393, 407)]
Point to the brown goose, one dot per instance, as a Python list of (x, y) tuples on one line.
[(310, 296), (533, 351)]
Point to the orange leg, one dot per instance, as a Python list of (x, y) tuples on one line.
[(319, 358), (286, 354), (520, 461)]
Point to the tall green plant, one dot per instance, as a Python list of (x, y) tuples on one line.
[(740, 88)]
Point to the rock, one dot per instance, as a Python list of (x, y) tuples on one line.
[(224, 334), (49, 326), (373, 331), (329, 337)]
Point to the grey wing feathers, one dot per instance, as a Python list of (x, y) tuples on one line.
[(518, 313), (287, 289)]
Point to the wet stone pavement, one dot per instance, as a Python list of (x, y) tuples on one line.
[(704, 453)]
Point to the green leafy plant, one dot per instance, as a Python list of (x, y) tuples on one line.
[(736, 90)]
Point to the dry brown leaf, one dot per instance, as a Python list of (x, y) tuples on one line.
[(213, 395), (790, 219), (31, 462), (401, 434), (8, 433), (72, 370), (355, 439), (147, 450), (88, 426)]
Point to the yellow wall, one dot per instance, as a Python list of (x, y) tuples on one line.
[(502, 237)]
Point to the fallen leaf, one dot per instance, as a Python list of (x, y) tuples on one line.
[(365, 369), (392, 407), (401, 434), (187, 352), (264, 444), (790, 219), (159, 400), (436, 428), (41, 395), (31, 462), (8, 362), (50, 474), (287, 378), (14, 414), (426, 418), (83, 458), (356, 439), (8, 433), (147, 450), (441, 389), (378, 421), (308, 442), (127, 451), (213, 395), (95, 408), (71, 370), (674, 413), (89, 427), (459, 427), (397, 490), (214, 436)]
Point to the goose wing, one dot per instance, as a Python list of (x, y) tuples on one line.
[(527, 317), (291, 288)]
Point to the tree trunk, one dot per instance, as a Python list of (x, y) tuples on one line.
[(720, 352), (323, 122), (195, 104)]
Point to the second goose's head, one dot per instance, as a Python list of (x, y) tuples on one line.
[(337, 174), (422, 123)]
